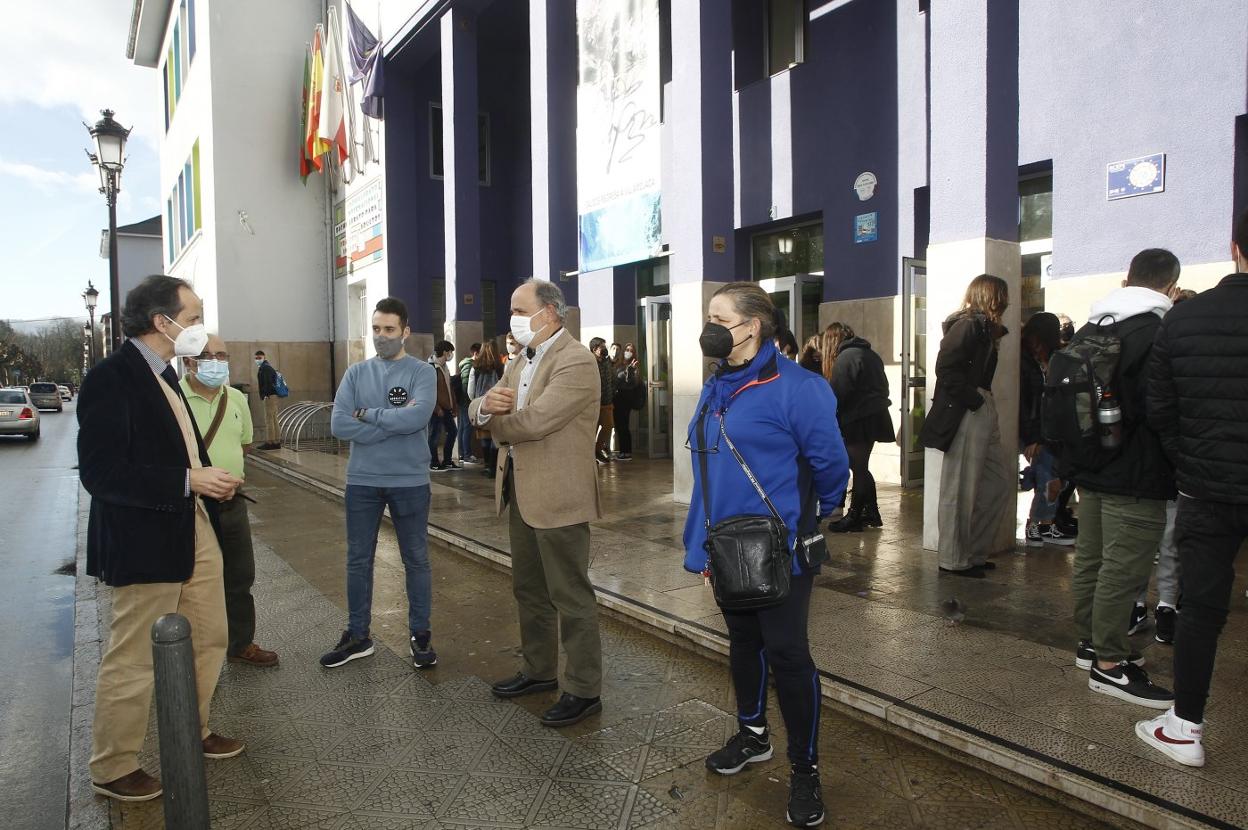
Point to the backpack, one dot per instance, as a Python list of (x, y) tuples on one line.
[(279, 385), (1079, 377)]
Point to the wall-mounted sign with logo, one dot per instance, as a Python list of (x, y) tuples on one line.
[(1135, 177), (865, 185), (719, 244), (866, 227)]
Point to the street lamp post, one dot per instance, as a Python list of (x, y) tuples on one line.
[(109, 159), (91, 297)]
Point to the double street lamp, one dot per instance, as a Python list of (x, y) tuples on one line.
[(91, 297), (109, 159)]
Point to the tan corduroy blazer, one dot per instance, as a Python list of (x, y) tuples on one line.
[(551, 440)]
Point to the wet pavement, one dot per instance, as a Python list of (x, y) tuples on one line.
[(985, 666), (37, 617), (377, 745)]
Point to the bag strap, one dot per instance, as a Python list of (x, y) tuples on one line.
[(702, 466), (750, 474), (216, 419)]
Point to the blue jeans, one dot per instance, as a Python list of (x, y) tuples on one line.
[(446, 423), (409, 511), (1043, 510), (465, 433)]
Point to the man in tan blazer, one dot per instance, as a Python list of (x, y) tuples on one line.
[(543, 415)]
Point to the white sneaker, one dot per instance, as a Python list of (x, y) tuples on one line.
[(1178, 738)]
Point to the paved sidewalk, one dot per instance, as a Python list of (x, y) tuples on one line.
[(375, 745), (998, 683)]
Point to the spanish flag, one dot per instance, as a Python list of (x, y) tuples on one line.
[(312, 144), (305, 161)]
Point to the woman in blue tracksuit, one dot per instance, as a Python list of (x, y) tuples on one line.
[(778, 415)]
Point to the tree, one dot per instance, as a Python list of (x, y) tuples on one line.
[(54, 353)]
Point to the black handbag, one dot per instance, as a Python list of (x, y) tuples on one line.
[(748, 557)]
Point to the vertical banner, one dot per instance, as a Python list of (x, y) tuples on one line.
[(617, 132)]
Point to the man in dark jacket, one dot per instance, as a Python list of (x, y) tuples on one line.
[(1122, 502), (266, 379), (151, 535), (1197, 397)]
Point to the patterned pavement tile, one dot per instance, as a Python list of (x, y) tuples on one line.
[(374, 746), (446, 751), (330, 785), (596, 806), (494, 799), (412, 793), (288, 818)]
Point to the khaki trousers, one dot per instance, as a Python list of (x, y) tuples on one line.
[(974, 489), (123, 690), (555, 599), (272, 433)]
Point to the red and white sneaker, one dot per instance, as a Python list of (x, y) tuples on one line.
[(1178, 738)]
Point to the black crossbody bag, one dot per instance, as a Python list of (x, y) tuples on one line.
[(748, 557)]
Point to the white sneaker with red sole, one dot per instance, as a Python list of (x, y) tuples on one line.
[(1177, 738)]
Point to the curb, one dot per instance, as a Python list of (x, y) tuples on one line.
[(86, 811), (1086, 791)]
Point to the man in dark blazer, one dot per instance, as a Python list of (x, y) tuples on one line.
[(151, 535)]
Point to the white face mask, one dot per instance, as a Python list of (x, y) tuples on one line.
[(522, 328), (614, 352), (628, 355), (513, 348), (190, 341)]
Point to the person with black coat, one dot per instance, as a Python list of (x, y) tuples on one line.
[(1041, 337), (152, 532), (628, 396), (856, 374), (1122, 500), (975, 479), (1197, 397)]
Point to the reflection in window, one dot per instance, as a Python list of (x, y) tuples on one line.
[(786, 34), (787, 252), (1035, 208)]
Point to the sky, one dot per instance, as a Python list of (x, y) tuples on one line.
[(66, 62)]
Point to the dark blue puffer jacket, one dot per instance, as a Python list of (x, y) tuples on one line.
[(778, 414)]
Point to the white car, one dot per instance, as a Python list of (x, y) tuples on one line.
[(66, 395)]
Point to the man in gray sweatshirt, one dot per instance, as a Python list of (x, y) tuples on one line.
[(383, 407)]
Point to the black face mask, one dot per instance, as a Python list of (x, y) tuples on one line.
[(716, 340)]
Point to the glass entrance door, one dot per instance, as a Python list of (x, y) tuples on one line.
[(656, 360), (913, 369), (798, 297)]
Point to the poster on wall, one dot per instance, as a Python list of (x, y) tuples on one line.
[(866, 227), (1135, 177), (617, 132), (357, 229)]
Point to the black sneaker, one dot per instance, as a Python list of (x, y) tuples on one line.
[(349, 648), (1139, 618), (743, 748), (423, 655), (1085, 656), (438, 468), (805, 798), (1166, 618), (1129, 683)]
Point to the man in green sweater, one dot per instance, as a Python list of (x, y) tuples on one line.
[(383, 407)]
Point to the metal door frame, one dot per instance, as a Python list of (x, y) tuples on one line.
[(792, 284), (648, 318), (909, 267)]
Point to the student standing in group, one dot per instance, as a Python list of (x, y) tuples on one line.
[(628, 390), (1122, 490), (769, 409), (606, 416), (383, 407), (811, 357), (856, 374), (442, 422), (975, 481), (459, 385), (1197, 397), (224, 421), (486, 371), (1040, 338), (543, 414), (266, 380)]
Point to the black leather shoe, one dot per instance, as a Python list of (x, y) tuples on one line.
[(522, 684), (571, 709)]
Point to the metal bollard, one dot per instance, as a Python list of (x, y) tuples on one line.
[(177, 716)]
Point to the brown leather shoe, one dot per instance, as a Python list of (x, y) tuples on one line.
[(137, 786), (217, 747), (253, 655)]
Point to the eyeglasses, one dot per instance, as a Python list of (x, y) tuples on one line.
[(214, 356), (700, 424)]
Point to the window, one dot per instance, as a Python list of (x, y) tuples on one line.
[(436, 148), (787, 252), (1035, 208), (183, 212), (437, 308), (178, 57), (786, 34), (489, 319)]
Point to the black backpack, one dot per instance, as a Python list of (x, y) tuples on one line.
[(1079, 376)]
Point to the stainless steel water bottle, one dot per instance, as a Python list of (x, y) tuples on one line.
[(1109, 418)]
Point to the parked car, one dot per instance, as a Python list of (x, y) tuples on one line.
[(46, 396), (66, 395), (18, 414)]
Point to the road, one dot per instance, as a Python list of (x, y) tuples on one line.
[(37, 535)]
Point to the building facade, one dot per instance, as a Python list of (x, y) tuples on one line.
[(862, 159)]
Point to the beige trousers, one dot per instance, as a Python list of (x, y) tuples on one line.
[(123, 691), (271, 431), (974, 489)]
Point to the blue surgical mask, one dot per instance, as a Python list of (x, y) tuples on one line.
[(212, 373)]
